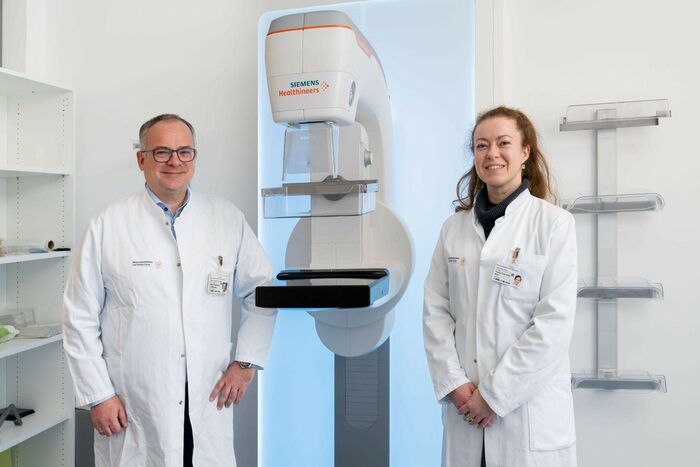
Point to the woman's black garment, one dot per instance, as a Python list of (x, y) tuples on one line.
[(487, 212)]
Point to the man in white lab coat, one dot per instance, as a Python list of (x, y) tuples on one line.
[(148, 314)]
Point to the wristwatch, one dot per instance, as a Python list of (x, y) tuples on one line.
[(245, 365)]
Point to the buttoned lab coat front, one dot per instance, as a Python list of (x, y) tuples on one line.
[(512, 342), (139, 322)]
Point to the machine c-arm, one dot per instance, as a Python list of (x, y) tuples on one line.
[(349, 257)]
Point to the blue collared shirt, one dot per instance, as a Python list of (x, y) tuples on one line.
[(166, 209)]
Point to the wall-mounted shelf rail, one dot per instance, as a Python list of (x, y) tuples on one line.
[(605, 288)]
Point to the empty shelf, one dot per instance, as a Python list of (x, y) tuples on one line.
[(614, 115), (612, 380), (613, 289), (10, 171), (596, 204)]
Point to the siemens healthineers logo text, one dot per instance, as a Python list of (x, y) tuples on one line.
[(303, 84), (304, 87)]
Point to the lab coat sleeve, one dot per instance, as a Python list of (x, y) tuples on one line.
[(446, 371), (542, 350), (82, 304), (257, 324)]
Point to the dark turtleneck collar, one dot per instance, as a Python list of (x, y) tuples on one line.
[(487, 212)]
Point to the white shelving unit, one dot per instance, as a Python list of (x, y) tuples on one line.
[(606, 288), (36, 201)]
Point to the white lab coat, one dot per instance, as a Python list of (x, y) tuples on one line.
[(512, 342), (139, 322)]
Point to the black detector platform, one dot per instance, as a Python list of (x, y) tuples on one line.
[(324, 288)]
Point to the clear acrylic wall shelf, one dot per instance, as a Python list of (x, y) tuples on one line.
[(614, 289), (606, 289), (600, 204), (320, 199), (637, 381), (627, 114)]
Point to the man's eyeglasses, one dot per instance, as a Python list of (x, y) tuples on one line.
[(164, 154)]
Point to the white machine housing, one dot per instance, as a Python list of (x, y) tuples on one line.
[(322, 70)]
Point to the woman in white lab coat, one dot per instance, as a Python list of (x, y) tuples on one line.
[(499, 307)]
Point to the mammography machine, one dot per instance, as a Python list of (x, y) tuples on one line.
[(349, 257)]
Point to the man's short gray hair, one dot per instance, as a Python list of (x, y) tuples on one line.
[(161, 118)]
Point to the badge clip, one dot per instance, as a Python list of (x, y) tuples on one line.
[(516, 252)]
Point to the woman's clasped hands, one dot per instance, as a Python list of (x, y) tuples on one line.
[(471, 405)]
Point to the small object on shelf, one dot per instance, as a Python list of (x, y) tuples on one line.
[(22, 413), (11, 411), (619, 380), (61, 249), (598, 204), (18, 317), (613, 289), (34, 331), (7, 332), (627, 114), (2, 249), (27, 245)]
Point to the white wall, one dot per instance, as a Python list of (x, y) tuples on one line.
[(131, 60), (560, 53)]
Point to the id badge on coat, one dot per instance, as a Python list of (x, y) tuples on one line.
[(506, 274), (218, 281)]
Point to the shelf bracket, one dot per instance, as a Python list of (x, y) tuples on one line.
[(606, 243)]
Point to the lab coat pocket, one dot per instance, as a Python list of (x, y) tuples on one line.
[(551, 416), (530, 271)]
